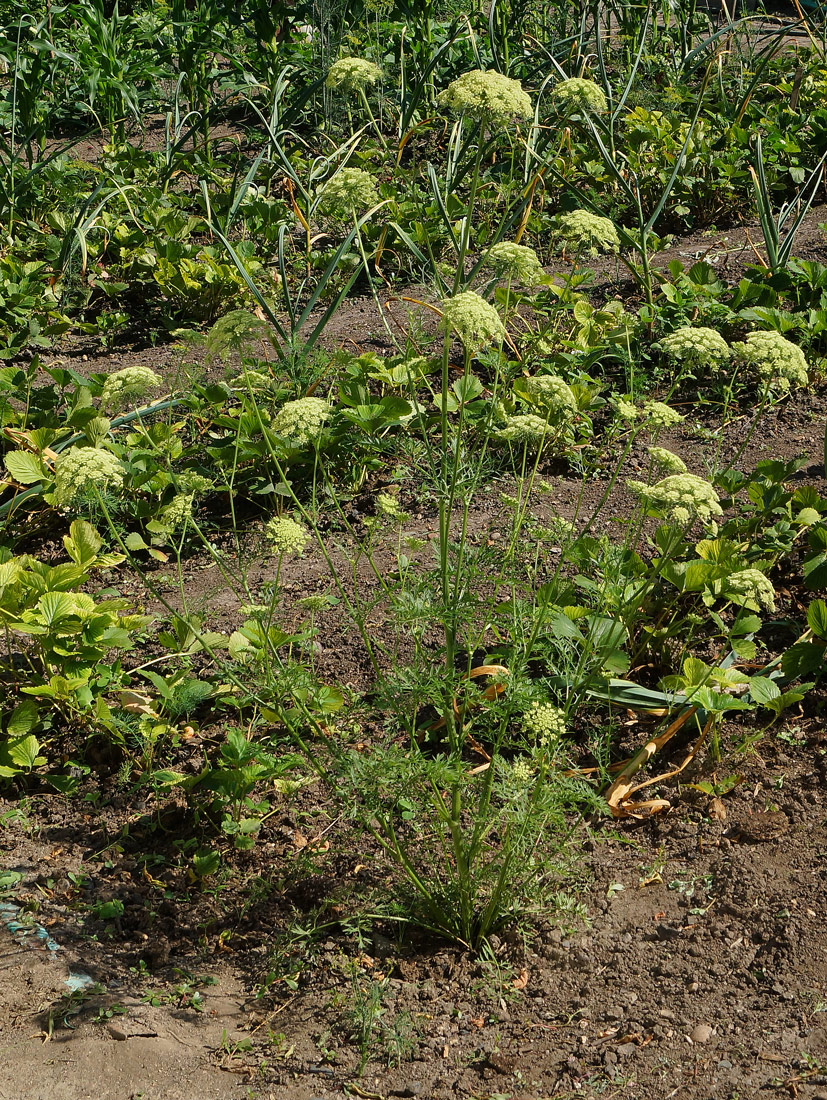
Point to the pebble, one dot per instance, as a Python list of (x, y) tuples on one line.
[(117, 1032), (701, 1033)]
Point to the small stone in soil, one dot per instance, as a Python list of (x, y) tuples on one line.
[(701, 1033)]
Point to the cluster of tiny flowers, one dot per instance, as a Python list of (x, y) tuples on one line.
[(191, 482), (516, 261), (301, 421), (586, 232), (579, 94), (286, 536), (527, 428), (680, 496), (667, 461), (387, 505), (488, 95), (178, 511), (544, 721), (700, 347), (626, 410), (82, 467), (352, 74), (773, 359), (751, 585), (552, 392), (256, 380), (129, 382), (474, 320), (522, 773), (658, 415), (349, 190)]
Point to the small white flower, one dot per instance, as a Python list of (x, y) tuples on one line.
[(750, 588), (516, 261)]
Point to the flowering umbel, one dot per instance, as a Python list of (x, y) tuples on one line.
[(488, 95), (286, 536), (667, 461), (582, 231), (129, 382), (681, 497), (301, 421), (473, 320), (774, 359), (351, 189), (544, 721), (82, 468), (697, 347), (658, 415), (750, 588), (352, 74), (516, 261), (579, 94)]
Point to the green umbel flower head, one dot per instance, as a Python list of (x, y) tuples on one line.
[(553, 393), (352, 74), (667, 461), (286, 536), (750, 588), (773, 359), (681, 497), (658, 415), (349, 191), (545, 722), (129, 382), (578, 94), (301, 421), (698, 347), (473, 320), (582, 231), (487, 95), (517, 262), (82, 468)]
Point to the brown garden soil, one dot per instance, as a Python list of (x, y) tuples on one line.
[(696, 968)]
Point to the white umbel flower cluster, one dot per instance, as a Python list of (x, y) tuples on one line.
[(544, 721), (773, 359), (350, 190), (750, 588), (681, 497), (579, 94), (553, 393), (473, 320), (582, 231), (697, 347), (352, 74), (487, 95), (129, 382), (526, 428), (517, 262), (81, 468), (667, 461), (286, 536), (301, 421), (178, 511), (658, 415)]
